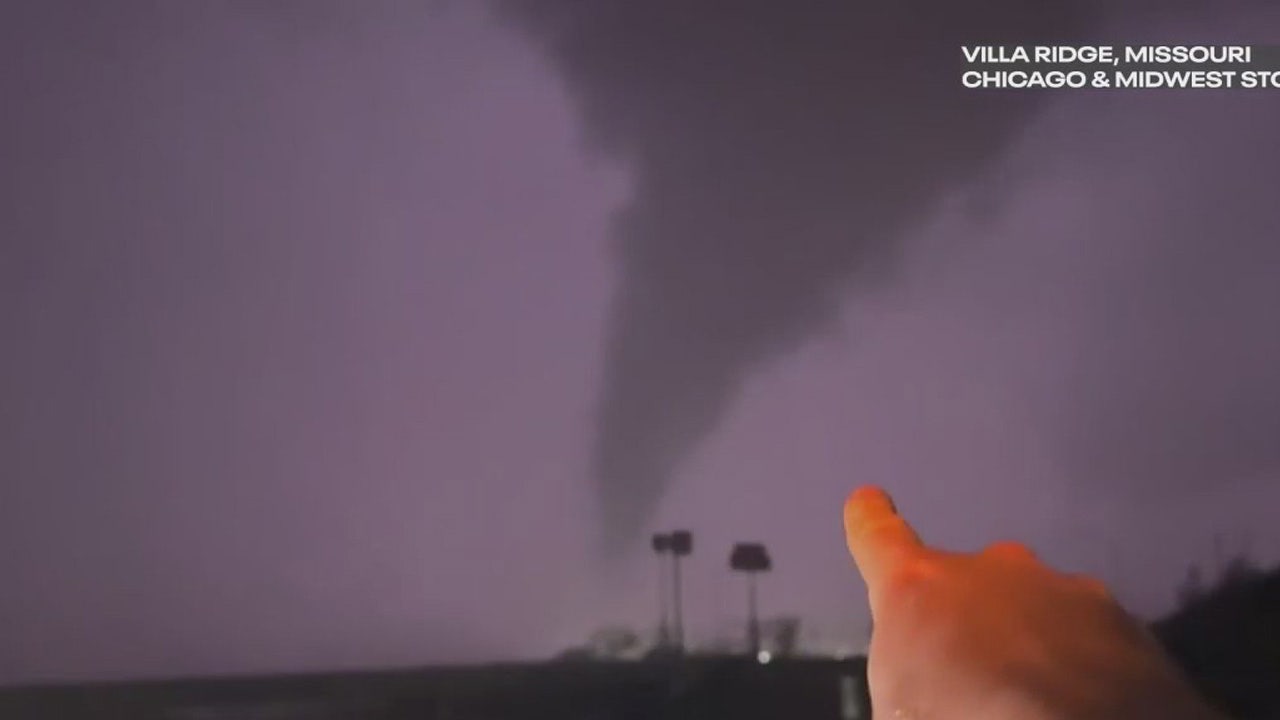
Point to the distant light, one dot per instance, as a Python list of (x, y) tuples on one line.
[(764, 657)]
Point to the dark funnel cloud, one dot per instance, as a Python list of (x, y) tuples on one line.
[(778, 151)]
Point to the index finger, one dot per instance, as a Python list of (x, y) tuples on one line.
[(878, 538)]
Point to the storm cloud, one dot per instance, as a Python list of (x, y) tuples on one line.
[(779, 151)]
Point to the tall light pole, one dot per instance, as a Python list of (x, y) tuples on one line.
[(681, 546), (751, 558), (662, 547)]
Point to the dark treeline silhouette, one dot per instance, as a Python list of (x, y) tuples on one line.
[(1227, 638)]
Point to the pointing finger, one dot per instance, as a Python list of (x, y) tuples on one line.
[(878, 538)]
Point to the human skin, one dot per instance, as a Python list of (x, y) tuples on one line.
[(998, 635)]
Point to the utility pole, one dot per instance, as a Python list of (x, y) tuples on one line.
[(751, 558), (662, 547), (681, 546)]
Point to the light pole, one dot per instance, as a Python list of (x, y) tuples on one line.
[(751, 558), (681, 546), (661, 547)]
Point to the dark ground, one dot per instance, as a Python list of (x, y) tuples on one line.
[(694, 688), (1227, 639)]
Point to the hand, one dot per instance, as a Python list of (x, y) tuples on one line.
[(996, 635)]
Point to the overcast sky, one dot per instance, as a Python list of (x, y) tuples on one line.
[(333, 331)]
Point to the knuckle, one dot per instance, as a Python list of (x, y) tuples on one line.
[(914, 581)]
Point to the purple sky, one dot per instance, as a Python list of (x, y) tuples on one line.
[(306, 315)]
